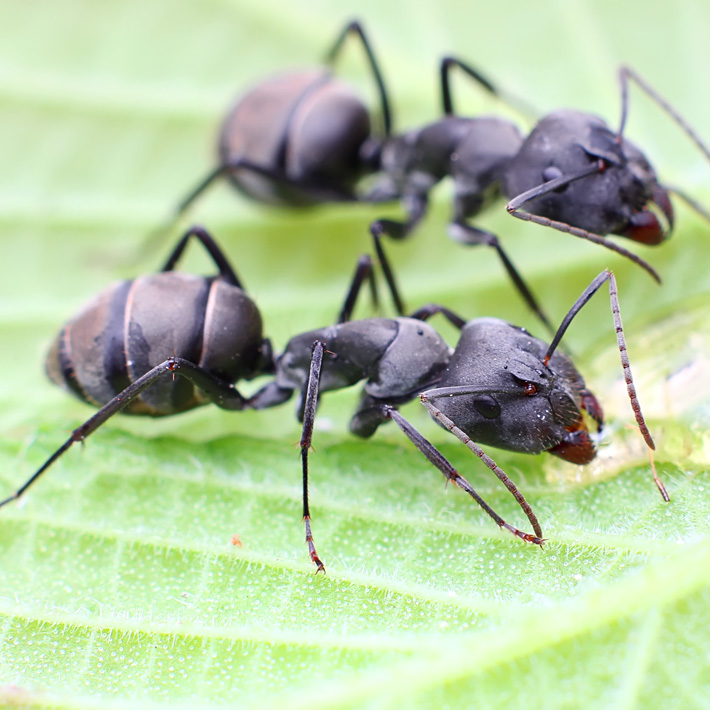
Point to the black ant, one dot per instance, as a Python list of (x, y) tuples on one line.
[(168, 342), (304, 138)]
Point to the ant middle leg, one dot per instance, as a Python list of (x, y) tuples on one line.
[(416, 207)]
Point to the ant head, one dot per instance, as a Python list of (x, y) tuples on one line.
[(623, 197), (499, 391)]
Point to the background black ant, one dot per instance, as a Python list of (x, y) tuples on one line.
[(304, 138)]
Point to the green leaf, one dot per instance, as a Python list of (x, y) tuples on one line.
[(164, 565)]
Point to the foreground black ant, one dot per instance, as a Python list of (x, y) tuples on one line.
[(500, 387)]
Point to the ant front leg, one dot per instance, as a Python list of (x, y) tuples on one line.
[(221, 393), (448, 424), (415, 206), (436, 458)]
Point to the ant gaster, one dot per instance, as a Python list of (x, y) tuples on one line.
[(500, 386), (159, 345), (300, 138)]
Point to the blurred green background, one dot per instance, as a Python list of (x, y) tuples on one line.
[(118, 581)]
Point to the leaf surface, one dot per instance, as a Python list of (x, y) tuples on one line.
[(120, 579)]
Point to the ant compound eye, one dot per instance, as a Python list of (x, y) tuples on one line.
[(487, 406), (551, 172), (530, 388)]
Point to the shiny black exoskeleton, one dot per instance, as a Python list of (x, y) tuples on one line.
[(159, 345), (500, 386)]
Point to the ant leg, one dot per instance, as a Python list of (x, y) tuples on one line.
[(225, 168), (356, 28), (435, 457), (184, 205), (324, 193), (516, 202), (363, 272), (309, 414), (445, 68), (270, 395), (466, 234), (621, 343), (431, 309), (387, 269), (439, 416), (415, 206), (368, 416), (221, 393), (225, 269), (448, 63)]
